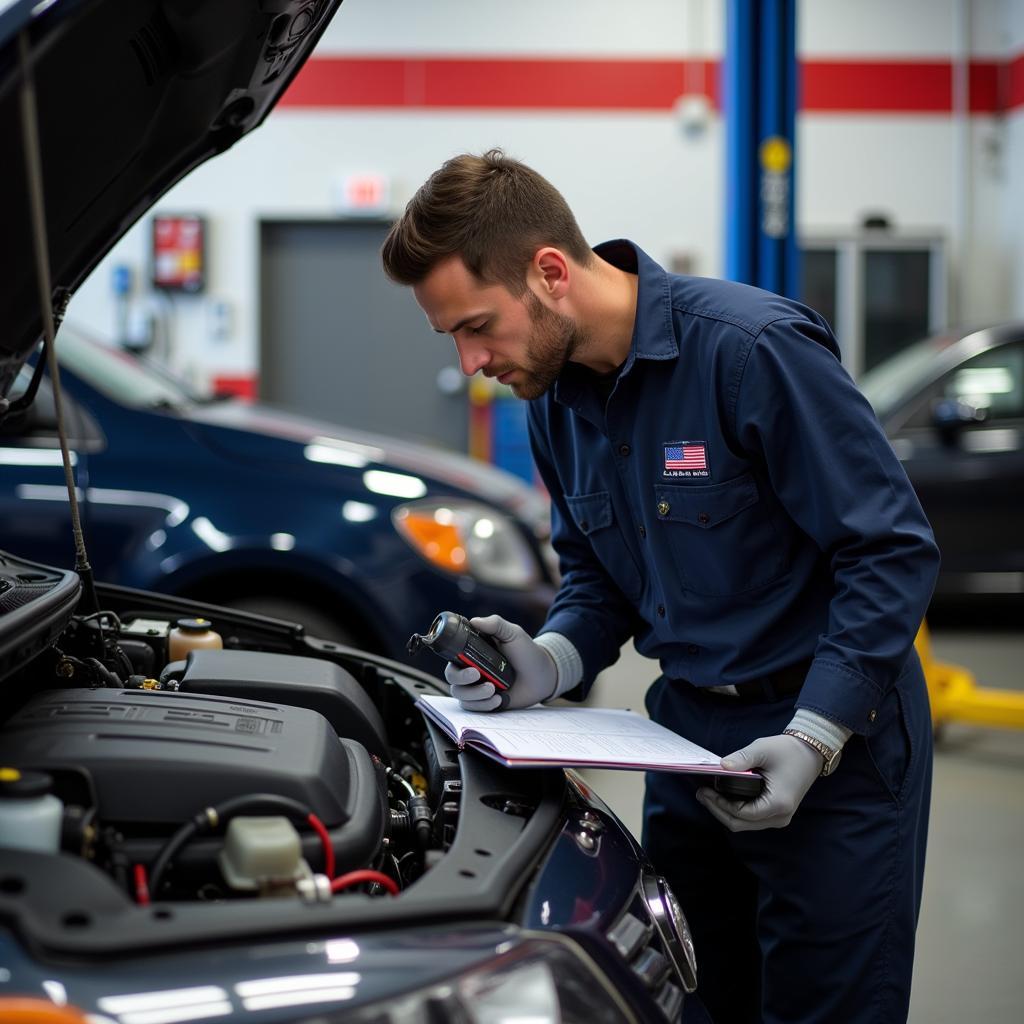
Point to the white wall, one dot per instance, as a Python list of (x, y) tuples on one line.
[(623, 173), (928, 172), (532, 27), (1012, 138)]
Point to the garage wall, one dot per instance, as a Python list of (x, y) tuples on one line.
[(881, 133), (1012, 224)]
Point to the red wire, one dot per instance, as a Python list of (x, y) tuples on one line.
[(141, 885), (325, 839), (365, 875)]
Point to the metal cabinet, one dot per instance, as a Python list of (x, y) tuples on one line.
[(879, 290)]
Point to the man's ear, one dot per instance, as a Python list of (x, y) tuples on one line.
[(551, 270)]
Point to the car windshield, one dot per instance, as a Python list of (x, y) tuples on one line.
[(126, 378), (888, 383)]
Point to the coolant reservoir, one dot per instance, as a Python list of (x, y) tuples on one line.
[(30, 815), (191, 635), (264, 854)]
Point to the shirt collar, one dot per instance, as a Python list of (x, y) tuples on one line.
[(653, 334)]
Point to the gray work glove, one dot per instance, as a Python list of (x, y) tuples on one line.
[(536, 674), (789, 767)]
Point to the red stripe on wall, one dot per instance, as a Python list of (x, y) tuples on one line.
[(926, 87), (1014, 81), (574, 84), (984, 87), (497, 83), (876, 87), (911, 87), (344, 82)]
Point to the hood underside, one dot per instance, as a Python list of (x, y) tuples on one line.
[(130, 96)]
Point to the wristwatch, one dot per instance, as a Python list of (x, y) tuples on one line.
[(831, 756)]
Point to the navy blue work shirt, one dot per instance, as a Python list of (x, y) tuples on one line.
[(733, 503)]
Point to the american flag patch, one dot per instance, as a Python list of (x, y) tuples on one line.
[(688, 455)]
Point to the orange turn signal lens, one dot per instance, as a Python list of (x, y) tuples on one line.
[(438, 542), (26, 1010)]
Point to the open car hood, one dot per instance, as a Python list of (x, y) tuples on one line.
[(131, 95)]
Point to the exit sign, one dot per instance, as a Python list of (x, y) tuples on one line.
[(363, 193)]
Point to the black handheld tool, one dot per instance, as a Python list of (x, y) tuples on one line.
[(452, 637), (739, 787)]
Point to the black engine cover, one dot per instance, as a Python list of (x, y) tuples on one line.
[(305, 682), (156, 758)]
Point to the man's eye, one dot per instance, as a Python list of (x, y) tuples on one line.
[(478, 329)]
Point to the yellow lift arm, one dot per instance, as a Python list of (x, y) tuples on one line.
[(956, 697)]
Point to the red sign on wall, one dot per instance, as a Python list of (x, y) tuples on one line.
[(178, 253)]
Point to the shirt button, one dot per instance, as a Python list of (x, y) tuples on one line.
[(692, 649), (624, 449), (664, 508), (703, 517), (872, 715), (584, 525), (643, 531), (661, 611)]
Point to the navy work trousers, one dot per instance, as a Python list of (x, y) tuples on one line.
[(813, 922)]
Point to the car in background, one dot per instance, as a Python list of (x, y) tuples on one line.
[(953, 407), (260, 825), (361, 538)]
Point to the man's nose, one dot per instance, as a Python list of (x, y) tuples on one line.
[(472, 356)]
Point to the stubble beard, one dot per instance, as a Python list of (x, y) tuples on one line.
[(553, 341)]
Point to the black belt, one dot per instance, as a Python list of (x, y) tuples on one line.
[(783, 683)]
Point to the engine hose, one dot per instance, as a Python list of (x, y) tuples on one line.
[(422, 821), (417, 820), (109, 678), (211, 817), (362, 876), (392, 774)]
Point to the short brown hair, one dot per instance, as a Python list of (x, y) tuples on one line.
[(491, 210)]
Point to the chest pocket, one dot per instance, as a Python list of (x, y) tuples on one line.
[(720, 536), (593, 515)]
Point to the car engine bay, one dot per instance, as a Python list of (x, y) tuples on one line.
[(257, 772)]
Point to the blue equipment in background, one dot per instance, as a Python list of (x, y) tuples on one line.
[(759, 90)]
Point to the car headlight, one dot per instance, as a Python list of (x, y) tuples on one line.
[(469, 540), (541, 980)]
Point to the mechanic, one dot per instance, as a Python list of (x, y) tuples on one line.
[(721, 492)]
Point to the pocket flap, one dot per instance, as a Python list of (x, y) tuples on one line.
[(705, 505), (591, 511)]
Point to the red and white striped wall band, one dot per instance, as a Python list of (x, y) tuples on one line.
[(500, 83)]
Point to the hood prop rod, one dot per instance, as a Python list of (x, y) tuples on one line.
[(34, 176)]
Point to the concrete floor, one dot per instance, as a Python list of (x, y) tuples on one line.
[(968, 965)]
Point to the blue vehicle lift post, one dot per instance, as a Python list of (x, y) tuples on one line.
[(759, 92)]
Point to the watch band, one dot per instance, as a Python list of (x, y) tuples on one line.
[(831, 757)]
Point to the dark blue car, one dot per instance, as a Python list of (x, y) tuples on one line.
[(361, 538)]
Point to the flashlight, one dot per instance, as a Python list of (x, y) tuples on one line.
[(452, 637)]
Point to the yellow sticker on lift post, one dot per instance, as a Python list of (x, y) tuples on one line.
[(776, 155)]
